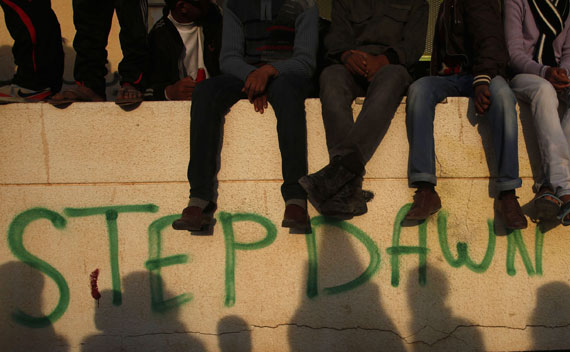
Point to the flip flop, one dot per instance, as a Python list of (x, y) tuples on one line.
[(546, 204), (564, 212), (125, 100)]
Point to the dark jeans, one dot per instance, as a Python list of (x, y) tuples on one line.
[(424, 95), (92, 19), (213, 98), (37, 49), (383, 95)]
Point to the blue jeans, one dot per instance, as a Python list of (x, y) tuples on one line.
[(552, 130), (423, 96)]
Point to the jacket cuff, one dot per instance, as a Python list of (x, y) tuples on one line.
[(481, 79), (392, 56)]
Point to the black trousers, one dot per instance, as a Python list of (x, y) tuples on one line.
[(38, 51), (213, 98), (92, 19)]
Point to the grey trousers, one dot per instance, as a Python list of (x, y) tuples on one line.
[(383, 95), (552, 130)]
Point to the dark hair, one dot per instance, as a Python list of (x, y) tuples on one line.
[(168, 6)]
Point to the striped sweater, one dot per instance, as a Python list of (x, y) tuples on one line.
[(283, 33)]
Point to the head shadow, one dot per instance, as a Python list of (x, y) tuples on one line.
[(433, 323), (341, 308), (22, 292), (134, 323)]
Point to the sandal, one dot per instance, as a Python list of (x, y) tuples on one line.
[(564, 212), (128, 97), (78, 94), (546, 204)]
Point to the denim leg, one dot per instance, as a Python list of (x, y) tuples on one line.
[(552, 140), (423, 96), (338, 88), (211, 100), (502, 115), (287, 94), (382, 99)]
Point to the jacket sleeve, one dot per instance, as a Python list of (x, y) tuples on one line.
[(233, 47), (485, 29), (158, 65), (520, 61), (341, 36), (565, 56), (412, 45), (304, 59)]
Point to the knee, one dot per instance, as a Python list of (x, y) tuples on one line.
[(545, 93), (334, 82), (502, 94), (421, 90)]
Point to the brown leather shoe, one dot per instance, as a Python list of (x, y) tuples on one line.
[(509, 209), (296, 217), (426, 203), (77, 94), (195, 218)]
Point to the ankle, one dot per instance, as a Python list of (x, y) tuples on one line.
[(507, 193), (422, 185)]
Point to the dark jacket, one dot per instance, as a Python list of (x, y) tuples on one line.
[(474, 31), (167, 50), (395, 28)]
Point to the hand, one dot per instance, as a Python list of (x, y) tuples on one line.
[(374, 63), (256, 81), (260, 103), (181, 90), (354, 62), (482, 98), (558, 77)]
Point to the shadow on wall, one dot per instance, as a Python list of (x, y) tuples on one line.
[(234, 335), (133, 324), (551, 317), (21, 290), (432, 321), (353, 321)]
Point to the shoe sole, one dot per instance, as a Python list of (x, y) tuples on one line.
[(406, 218), (294, 225), (546, 209), (184, 226)]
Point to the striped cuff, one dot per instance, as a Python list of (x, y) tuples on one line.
[(481, 79)]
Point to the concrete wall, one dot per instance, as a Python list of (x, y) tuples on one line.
[(93, 187)]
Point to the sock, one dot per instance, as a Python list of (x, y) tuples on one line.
[(504, 193), (198, 202), (425, 185), (300, 202)]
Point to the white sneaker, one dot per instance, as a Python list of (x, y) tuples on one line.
[(13, 93)]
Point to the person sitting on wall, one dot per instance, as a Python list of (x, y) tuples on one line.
[(37, 50), (541, 60), (469, 58), (92, 21), (268, 55), (372, 45), (184, 48)]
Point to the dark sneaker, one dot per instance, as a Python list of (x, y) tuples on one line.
[(195, 218), (426, 203), (347, 203), (296, 217), (326, 182), (13, 93), (509, 209)]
